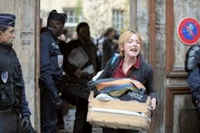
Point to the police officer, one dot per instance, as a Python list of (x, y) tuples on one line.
[(50, 70), (14, 110), (192, 66)]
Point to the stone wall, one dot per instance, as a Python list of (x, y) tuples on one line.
[(142, 25)]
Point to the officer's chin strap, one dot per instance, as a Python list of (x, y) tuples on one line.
[(8, 43)]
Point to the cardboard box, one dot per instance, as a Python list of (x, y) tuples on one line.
[(119, 114)]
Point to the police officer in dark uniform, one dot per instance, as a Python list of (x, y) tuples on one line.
[(192, 66), (50, 70), (14, 110)]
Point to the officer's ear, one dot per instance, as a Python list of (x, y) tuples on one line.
[(2, 32), (1, 35)]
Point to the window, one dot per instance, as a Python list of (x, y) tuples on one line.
[(118, 19), (72, 18)]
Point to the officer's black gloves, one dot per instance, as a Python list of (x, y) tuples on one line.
[(197, 104), (58, 102), (196, 101), (56, 98), (26, 125), (25, 122)]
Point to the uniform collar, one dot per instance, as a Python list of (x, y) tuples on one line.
[(6, 45)]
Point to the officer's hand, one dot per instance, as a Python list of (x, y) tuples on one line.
[(58, 102), (25, 123), (197, 104), (27, 126)]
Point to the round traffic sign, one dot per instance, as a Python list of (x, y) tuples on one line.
[(189, 31)]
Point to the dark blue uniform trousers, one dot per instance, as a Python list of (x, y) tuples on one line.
[(8, 122), (48, 112)]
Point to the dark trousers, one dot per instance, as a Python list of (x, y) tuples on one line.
[(111, 130), (81, 125), (48, 112), (60, 121), (75, 96), (9, 122)]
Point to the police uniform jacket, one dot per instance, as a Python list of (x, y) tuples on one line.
[(192, 66), (50, 71), (11, 76)]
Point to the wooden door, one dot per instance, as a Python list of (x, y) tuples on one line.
[(180, 116)]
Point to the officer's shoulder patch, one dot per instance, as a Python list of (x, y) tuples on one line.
[(55, 45), (4, 77)]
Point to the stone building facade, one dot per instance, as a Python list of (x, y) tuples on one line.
[(100, 14)]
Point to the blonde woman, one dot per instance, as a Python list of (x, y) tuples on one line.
[(130, 64)]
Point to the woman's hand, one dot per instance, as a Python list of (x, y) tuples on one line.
[(153, 103)]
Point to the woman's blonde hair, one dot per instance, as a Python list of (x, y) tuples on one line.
[(124, 37)]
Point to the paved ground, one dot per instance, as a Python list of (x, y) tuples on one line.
[(69, 123)]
